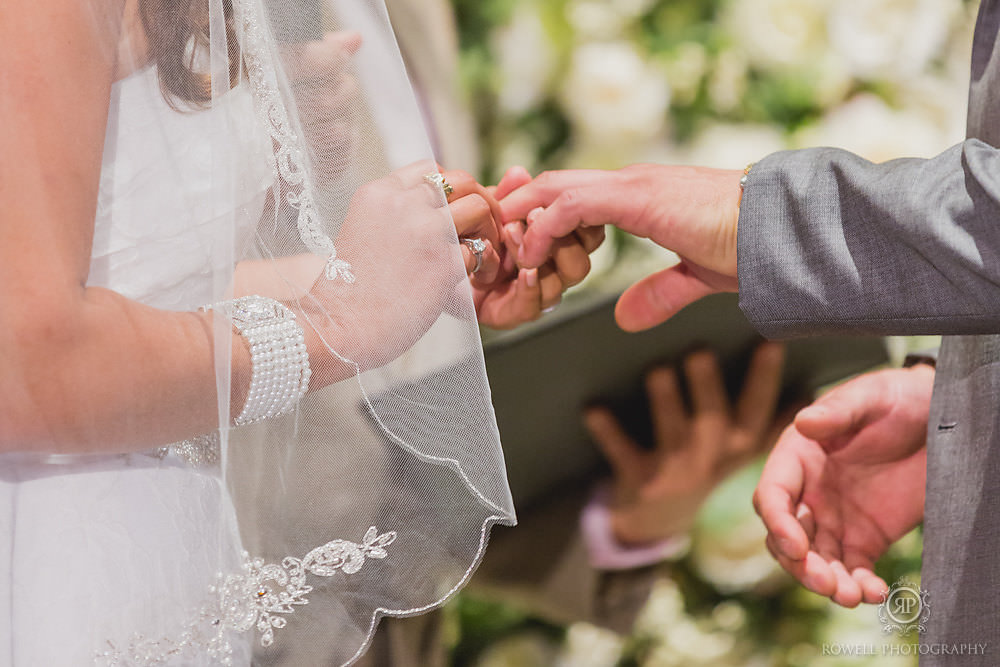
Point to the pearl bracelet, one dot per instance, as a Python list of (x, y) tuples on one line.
[(279, 361)]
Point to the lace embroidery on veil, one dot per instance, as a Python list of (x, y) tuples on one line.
[(258, 597), (290, 161)]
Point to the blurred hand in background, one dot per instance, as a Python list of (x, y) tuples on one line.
[(657, 491)]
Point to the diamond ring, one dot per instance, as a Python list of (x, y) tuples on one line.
[(437, 178), (478, 247)]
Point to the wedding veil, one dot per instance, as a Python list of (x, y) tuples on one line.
[(375, 495)]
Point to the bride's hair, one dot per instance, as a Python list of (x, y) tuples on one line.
[(177, 32)]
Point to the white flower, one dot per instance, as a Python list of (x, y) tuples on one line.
[(685, 70), (522, 650), (730, 146), (943, 101), (526, 60), (890, 38), (728, 82), (663, 609), (595, 19), (613, 96), (590, 646), (730, 616), (729, 547), (778, 33), (633, 8), (866, 125)]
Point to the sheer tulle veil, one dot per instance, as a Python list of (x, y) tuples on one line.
[(375, 496)]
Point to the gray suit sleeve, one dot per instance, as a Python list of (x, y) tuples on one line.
[(831, 243)]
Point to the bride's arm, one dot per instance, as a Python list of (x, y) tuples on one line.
[(81, 369)]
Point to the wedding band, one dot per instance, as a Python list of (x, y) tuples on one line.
[(437, 178), (478, 247)]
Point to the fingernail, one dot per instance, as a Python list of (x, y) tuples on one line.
[(532, 277), (521, 254), (533, 213)]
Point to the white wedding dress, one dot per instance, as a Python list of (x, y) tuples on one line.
[(108, 551)]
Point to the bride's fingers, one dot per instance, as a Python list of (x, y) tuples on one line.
[(512, 304), (591, 237), (463, 184), (489, 266), (512, 235), (474, 219), (551, 287)]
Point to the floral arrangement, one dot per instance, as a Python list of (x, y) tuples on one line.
[(605, 83)]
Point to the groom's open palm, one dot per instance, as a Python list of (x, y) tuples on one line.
[(846, 480)]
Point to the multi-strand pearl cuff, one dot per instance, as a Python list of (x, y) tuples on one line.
[(280, 363)]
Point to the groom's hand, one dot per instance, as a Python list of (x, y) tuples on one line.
[(691, 210), (846, 480)]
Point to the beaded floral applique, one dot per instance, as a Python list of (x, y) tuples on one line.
[(200, 452), (290, 162), (259, 597)]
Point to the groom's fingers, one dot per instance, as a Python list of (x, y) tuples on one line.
[(547, 187), (574, 208), (514, 178), (872, 586), (848, 593), (811, 571), (656, 298), (777, 498), (843, 411)]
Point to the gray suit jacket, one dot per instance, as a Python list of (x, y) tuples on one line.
[(829, 243)]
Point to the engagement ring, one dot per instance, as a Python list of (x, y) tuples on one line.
[(478, 247)]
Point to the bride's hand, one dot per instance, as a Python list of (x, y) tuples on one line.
[(476, 214), (398, 239)]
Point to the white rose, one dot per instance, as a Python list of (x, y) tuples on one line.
[(613, 96), (526, 60), (590, 646), (778, 33), (866, 125), (890, 38)]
